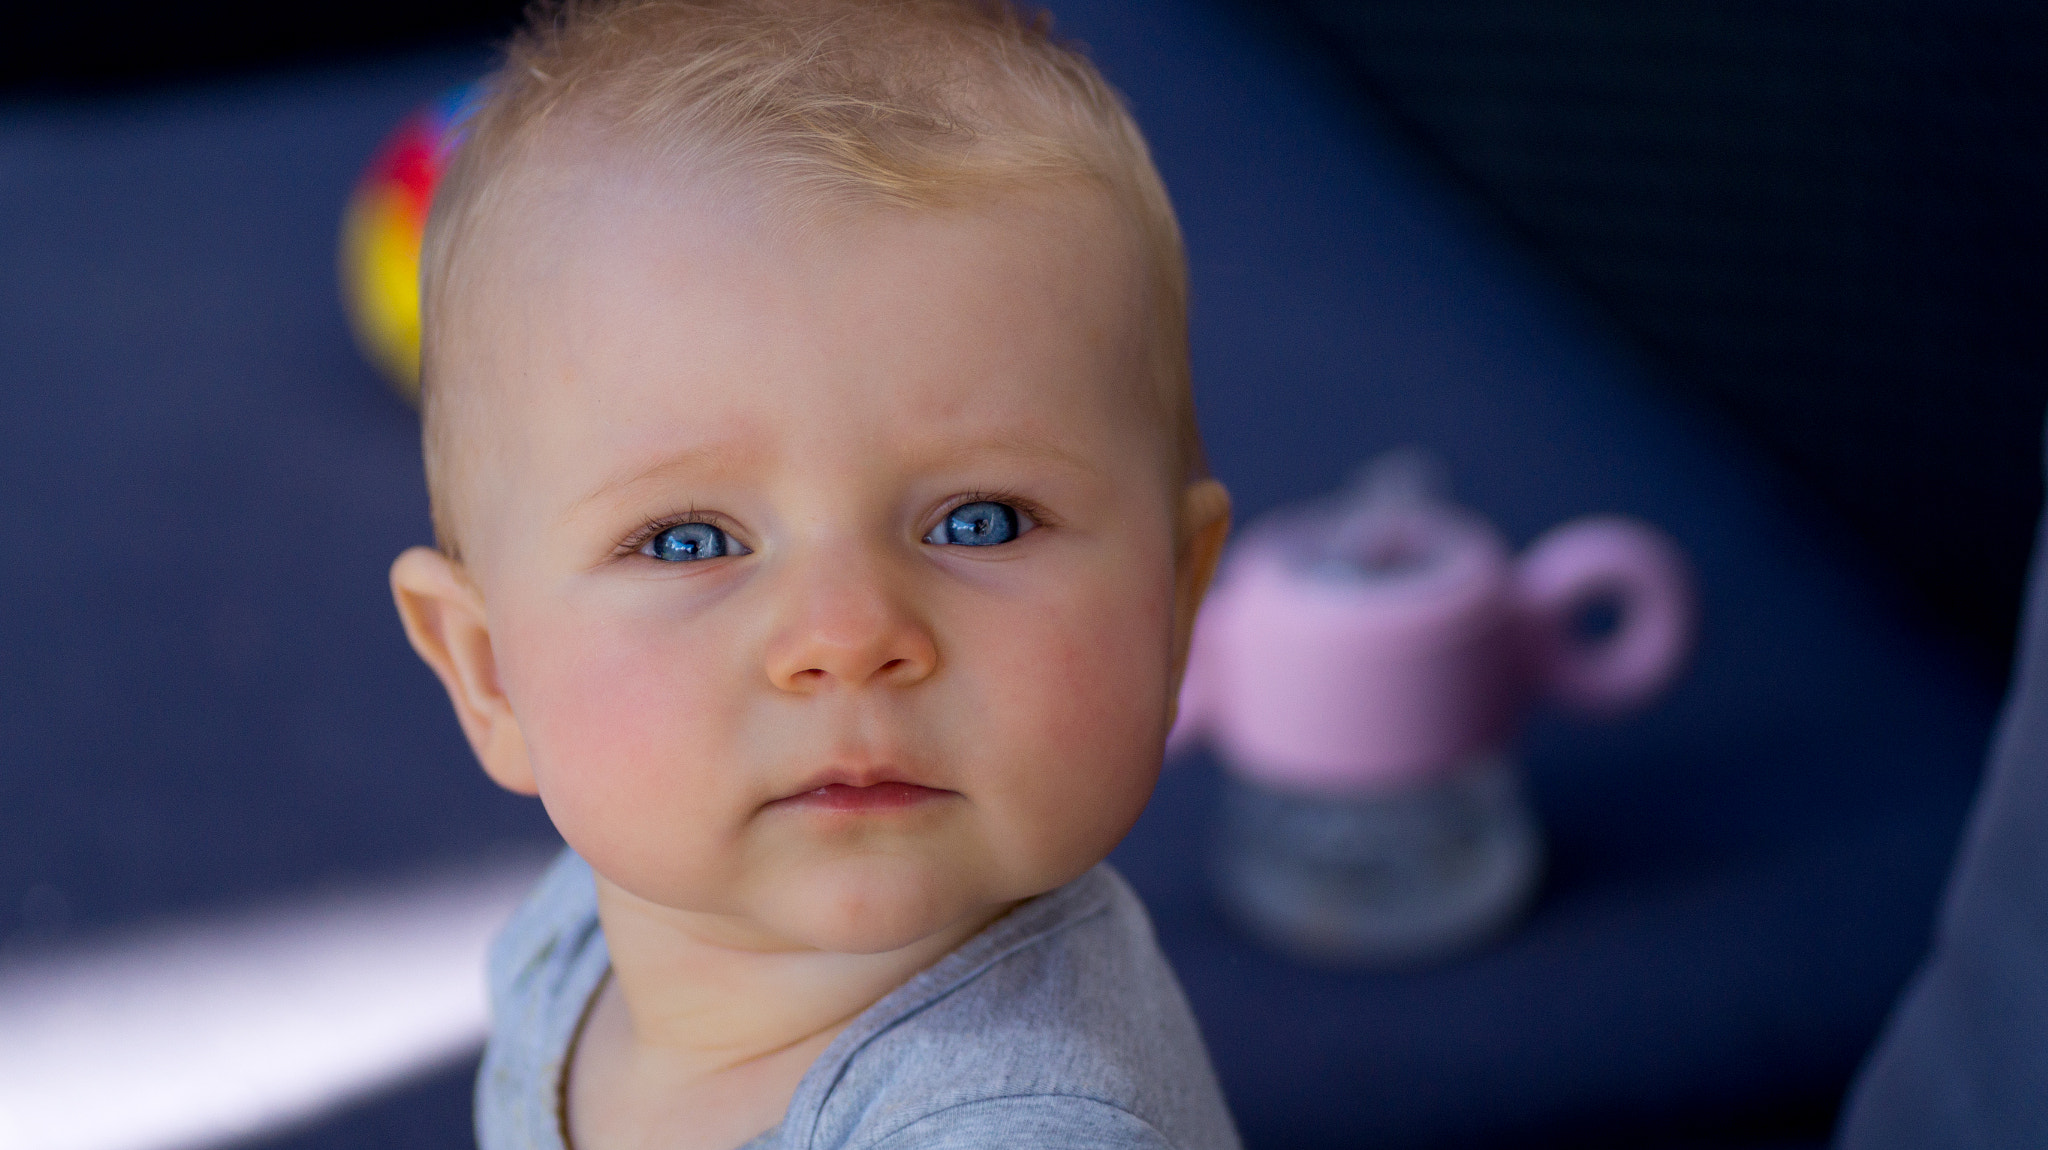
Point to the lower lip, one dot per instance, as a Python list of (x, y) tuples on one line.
[(879, 797)]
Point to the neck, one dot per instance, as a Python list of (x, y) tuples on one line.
[(706, 998)]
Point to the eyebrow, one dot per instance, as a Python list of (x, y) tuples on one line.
[(693, 459), (1022, 447), (689, 459)]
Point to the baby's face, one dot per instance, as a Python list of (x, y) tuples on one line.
[(830, 579)]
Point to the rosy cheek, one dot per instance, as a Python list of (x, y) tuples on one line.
[(1117, 637), (618, 712), (1083, 700)]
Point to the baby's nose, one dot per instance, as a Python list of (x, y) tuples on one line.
[(850, 629)]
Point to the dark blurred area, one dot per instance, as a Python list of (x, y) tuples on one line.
[(128, 44), (1826, 218)]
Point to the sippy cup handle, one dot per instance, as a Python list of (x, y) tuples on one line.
[(1606, 560)]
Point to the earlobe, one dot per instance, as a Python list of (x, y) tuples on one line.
[(1204, 526), (444, 619)]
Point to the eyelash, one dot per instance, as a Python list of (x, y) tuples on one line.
[(1031, 510), (638, 538), (632, 543)]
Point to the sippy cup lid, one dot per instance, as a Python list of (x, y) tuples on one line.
[(1360, 643)]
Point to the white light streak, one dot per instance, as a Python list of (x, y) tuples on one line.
[(196, 1034)]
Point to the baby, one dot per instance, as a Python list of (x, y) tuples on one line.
[(821, 522)]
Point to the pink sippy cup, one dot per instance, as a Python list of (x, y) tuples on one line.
[(1361, 670)]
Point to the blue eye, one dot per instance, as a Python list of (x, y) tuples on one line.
[(982, 524), (686, 542)]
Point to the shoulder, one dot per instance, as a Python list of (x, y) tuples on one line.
[(1063, 1019), (544, 967), (541, 949)]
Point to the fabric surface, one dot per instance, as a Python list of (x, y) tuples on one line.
[(1964, 1061), (1058, 1026)]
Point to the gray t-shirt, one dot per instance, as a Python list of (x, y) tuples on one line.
[(1058, 1026)]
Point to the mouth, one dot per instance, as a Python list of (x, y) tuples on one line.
[(836, 792)]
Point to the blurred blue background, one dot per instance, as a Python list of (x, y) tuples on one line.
[(1769, 279)]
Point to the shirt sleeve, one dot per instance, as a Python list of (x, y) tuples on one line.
[(1027, 1122)]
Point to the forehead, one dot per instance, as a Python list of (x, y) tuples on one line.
[(619, 313)]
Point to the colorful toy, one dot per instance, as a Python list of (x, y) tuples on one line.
[(1362, 667), (380, 238)]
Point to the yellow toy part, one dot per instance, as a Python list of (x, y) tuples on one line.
[(380, 239)]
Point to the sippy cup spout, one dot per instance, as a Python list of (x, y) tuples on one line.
[(1382, 526)]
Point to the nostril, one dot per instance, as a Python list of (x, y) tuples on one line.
[(893, 665)]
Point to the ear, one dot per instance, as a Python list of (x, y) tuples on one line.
[(1203, 526), (444, 618)]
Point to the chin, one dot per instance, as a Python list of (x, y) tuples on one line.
[(872, 906)]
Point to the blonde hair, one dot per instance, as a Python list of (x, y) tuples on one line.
[(814, 104)]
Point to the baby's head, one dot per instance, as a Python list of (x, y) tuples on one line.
[(822, 518)]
